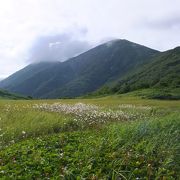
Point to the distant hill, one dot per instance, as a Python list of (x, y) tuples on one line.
[(82, 74), (7, 95), (163, 71)]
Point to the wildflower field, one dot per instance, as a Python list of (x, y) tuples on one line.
[(114, 137)]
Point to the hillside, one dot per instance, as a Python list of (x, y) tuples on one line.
[(163, 72), (82, 74), (7, 95)]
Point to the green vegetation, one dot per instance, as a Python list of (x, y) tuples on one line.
[(158, 93), (148, 93), (113, 137), (7, 95), (115, 67), (163, 72), (129, 134)]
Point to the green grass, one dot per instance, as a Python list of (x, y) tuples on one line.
[(157, 93), (38, 144)]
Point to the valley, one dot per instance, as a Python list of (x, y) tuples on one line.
[(109, 113), (89, 90)]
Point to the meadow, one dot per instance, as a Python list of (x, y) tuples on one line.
[(114, 137)]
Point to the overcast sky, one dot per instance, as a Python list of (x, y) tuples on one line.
[(36, 30)]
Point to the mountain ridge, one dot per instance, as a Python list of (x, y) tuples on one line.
[(162, 71), (81, 74)]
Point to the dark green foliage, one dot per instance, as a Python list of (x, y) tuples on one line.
[(7, 95), (82, 74), (148, 93), (158, 93), (144, 150), (164, 96), (105, 90), (162, 72)]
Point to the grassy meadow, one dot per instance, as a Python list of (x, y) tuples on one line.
[(114, 137)]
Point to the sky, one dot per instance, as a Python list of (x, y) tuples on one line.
[(49, 30)]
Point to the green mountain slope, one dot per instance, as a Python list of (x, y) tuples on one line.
[(7, 95), (24, 74), (82, 74), (163, 72)]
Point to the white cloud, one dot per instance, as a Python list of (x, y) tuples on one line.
[(55, 44), (59, 47), (154, 23)]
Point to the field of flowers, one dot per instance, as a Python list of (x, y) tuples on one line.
[(106, 138)]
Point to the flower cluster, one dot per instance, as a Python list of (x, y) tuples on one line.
[(88, 113), (78, 108), (131, 106)]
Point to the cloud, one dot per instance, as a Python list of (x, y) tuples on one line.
[(58, 47), (31, 30), (165, 23)]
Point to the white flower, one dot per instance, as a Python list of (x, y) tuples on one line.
[(23, 132)]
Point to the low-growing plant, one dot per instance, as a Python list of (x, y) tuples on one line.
[(108, 138)]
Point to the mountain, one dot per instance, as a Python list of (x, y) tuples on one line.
[(7, 95), (82, 74), (162, 72)]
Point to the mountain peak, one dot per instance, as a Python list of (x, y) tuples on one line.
[(82, 74), (122, 42), (110, 43)]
